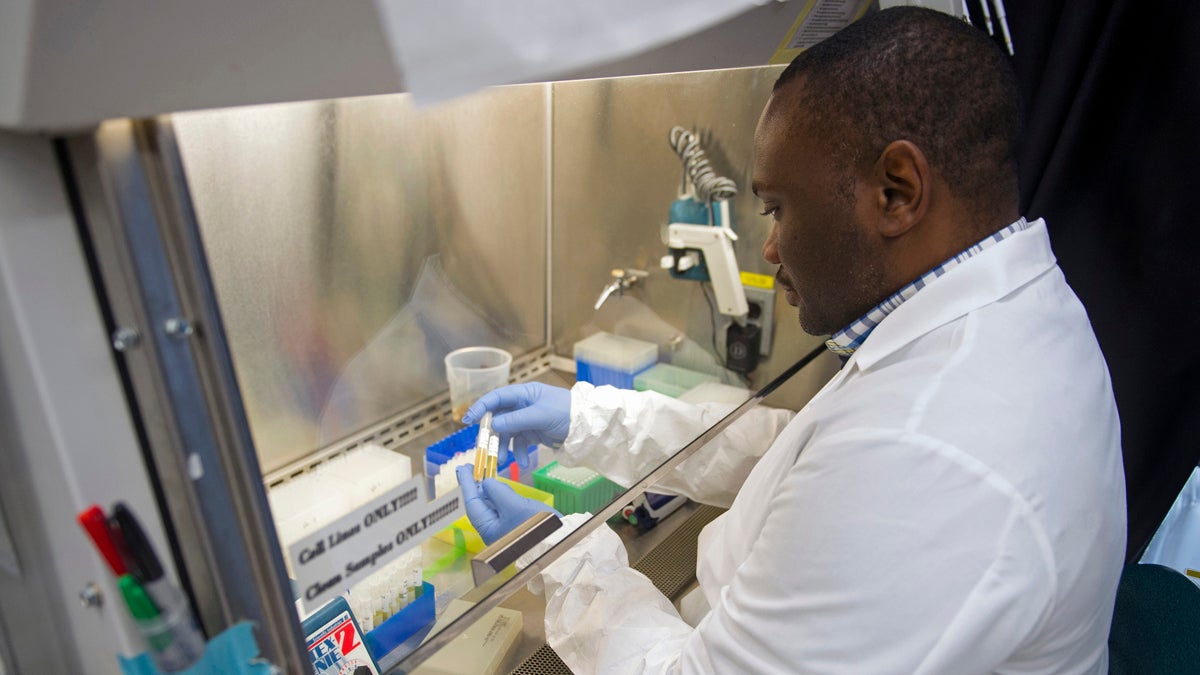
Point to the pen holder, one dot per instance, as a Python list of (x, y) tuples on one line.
[(233, 652), (175, 642)]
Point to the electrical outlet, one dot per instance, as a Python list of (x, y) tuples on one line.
[(764, 300)]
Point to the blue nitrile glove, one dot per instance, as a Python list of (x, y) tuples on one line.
[(528, 414), (497, 509)]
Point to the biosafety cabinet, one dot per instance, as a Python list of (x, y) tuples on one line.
[(226, 297)]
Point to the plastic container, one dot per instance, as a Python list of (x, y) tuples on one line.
[(473, 372), (575, 489), (670, 380), (461, 534), (605, 358)]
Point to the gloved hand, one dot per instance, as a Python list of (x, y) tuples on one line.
[(527, 414), (497, 509)]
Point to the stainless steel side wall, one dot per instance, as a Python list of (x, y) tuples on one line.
[(355, 242)]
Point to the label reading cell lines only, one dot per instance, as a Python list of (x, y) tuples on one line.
[(344, 552)]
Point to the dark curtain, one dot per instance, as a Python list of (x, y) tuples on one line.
[(1110, 160)]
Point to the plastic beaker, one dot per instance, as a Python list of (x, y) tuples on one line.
[(473, 372)]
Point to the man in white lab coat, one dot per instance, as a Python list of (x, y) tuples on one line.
[(952, 501)]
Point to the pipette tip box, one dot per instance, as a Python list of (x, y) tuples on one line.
[(670, 380), (575, 489), (610, 359)]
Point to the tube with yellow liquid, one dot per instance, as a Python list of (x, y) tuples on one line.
[(481, 445), (493, 457)]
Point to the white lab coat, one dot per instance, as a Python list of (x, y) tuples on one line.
[(952, 501)]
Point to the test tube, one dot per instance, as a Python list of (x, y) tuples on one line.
[(380, 603), (481, 445), (493, 457), (360, 604), (416, 581), (396, 599)]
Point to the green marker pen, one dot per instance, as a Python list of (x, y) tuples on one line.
[(144, 611)]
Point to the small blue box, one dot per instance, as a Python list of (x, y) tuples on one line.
[(332, 630)]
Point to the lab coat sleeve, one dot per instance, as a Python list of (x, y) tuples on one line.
[(603, 616), (841, 579), (626, 434)]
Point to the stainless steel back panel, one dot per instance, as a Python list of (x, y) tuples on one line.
[(614, 178), (355, 242)]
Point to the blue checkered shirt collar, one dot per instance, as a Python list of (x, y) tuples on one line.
[(846, 341)]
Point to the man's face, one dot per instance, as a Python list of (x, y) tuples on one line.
[(830, 267)]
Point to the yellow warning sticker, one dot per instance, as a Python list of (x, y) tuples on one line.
[(1192, 573), (758, 280)]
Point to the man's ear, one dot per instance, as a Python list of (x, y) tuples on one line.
[(904, 182)]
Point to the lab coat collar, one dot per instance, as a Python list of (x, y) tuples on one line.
[(979, 281)]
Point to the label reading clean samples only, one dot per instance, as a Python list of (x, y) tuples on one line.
[(329, 561)]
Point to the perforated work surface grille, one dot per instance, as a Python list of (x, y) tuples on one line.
[(672, 564), (543, 662)]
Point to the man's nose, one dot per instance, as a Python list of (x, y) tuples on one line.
[(770, 250)]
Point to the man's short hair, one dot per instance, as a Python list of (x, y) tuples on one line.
[(908, 73)]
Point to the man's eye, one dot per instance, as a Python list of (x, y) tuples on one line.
[(770, 211)]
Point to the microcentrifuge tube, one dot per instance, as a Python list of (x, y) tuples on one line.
[(481, 445)]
